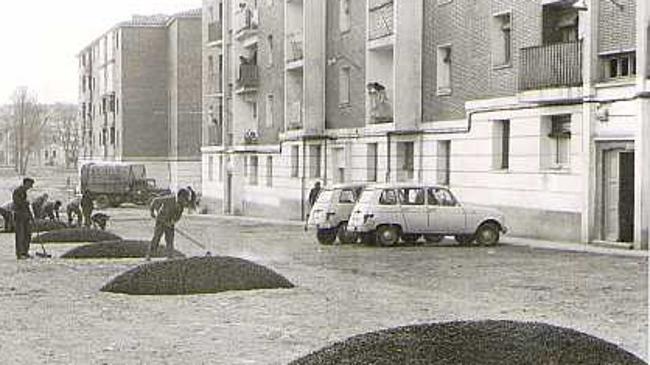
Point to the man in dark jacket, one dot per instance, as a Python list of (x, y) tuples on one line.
[(167, 210), (23, 218), (51, 210), (87, 207), (314, 193)]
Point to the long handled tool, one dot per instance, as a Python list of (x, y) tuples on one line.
[(43, 254), (193, 240)]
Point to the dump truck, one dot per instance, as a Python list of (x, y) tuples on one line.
[(114, 183)]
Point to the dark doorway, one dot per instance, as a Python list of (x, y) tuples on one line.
[(626, 197)]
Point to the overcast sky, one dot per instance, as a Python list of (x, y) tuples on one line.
[(40, 39)]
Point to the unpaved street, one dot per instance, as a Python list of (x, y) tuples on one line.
[(52, 311)]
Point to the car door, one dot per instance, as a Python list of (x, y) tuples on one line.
[(445, 214), (347, 199), (413, 209)]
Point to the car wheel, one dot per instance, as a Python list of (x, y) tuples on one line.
[(464, 239), (410, 238), (388, 235), (369, 238), (433, 238), (487, 234), (345, 236), (326, 236)]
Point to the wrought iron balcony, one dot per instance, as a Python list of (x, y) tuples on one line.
[(380, 19), (550, 66), (249, 77), (214, 32)]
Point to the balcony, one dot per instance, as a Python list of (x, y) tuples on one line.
[(294, 115), (380, 19), (550, 66), (214, 32), (249, 78), (246, 22)]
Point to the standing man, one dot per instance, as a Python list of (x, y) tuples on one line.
[(87, 207), (22, 219), (167, 210), (313, 194)]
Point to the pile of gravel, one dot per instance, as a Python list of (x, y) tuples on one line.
[(82, 234), (469, 343), (196, 275), (42, 225), (116, 249)]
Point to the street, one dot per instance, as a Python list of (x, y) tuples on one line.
[(53, 312)]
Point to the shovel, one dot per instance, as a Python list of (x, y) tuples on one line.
[(43, 254)]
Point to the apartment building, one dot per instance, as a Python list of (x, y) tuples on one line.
[(538, 108), (140, 96)]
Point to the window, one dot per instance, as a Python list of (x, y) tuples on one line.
[(220, 172), (347, 196), (338, 155), (294, 161), (501, 145), (344, 85), (388, 197), (269, 171), (405, 161), (210, 168), (245, 166), (372, 162), (210, 67), (444, 162), (619, 65), (270, 56), (113, 136), (443, 70), (441, 197), (253, 173), (210, 13), (502, 40), (344, 15), (411, 196), (556, 141), (254, 110), (269, 110), (314, 161)]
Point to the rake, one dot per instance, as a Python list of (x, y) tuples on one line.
[(43, 254), (193, 240)]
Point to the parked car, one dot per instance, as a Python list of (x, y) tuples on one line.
[(407, 211), (331, 212)]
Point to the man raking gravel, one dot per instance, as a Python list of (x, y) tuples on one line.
[(167, 210)]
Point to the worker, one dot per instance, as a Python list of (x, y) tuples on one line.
[(73, 210), (23, 218), (87, 207), (51, 210), (166, 210), (100, 220), (193, 198), (38, 204), (7, 212)]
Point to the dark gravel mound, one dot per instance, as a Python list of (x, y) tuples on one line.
[(76, 235), (116, 249), (473, 343), (196, 275)]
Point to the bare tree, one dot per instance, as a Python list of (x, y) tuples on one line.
[(67, 132), (29, 120)]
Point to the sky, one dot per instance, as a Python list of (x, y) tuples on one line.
[(41, 38)]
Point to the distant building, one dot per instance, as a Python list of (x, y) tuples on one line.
[(140, 96)]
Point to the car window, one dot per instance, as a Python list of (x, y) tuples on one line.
[(388, 197), (347, 196), (441, 197), (411, 196), (324, 196), (367, 196)]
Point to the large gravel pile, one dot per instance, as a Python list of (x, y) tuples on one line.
[(116, 249), (196, 275), (473, 343), (76, 235)]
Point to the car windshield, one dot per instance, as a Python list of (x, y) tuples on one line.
[(325, 196), (366, 196)]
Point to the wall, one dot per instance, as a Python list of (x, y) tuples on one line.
[(616, 26)]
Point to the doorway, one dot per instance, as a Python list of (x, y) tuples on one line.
[(618, 196)]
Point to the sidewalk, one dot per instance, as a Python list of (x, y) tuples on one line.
[(508, 240)]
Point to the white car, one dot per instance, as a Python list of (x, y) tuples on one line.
[(407, 211), (330, 213)]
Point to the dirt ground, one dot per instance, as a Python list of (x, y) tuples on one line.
[(52, 310)]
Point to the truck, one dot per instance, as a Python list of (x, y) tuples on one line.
[(114, 183)]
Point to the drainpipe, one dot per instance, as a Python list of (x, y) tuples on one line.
[(325, 163), (302, 180), (388, 156)]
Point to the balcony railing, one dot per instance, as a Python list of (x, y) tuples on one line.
[(246, 19), (295, 51), (549, 66), (249, 76), (294, 115), (214, 32), (380, 19)]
